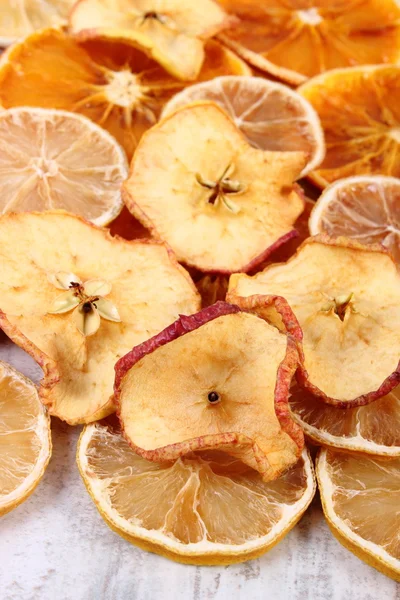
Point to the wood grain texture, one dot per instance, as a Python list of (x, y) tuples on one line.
[(56, 546)]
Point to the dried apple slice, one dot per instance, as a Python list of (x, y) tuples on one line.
[(346, 298), (77, 299), (170, 31), (222, 205), (223, 378)]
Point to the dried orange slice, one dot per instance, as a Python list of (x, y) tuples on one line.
[(220, 204), (223, 378), (172, 32), (365, 208), (22, 17), (25, 447), (360, 115), (372, 429), (115, 85), (271, 116), (53, 159), (207, 508), (346, 298), (77, 299), (360, 497), (296, 39)]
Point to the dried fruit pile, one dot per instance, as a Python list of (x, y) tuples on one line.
[(221, 334)]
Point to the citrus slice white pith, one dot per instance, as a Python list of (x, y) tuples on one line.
[(360, 496), (206, 508), (346, 298), (53, 159), (143, 282), (372, 429), (25, 439), (220, 204), (365, 208), (269, 114)]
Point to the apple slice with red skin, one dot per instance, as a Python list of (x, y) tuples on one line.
[(218, 379), (346, 298), (220, 204)]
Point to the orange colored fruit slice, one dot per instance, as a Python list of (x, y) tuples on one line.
[(371, 429), (53, 159), (296, 39), (172, 32), (361, 496), (359, 112), (25, 446), (115, 85), (22, 17), (269, 114), (365, 208), (205, 509)]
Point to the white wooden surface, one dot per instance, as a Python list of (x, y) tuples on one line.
[(56, 547)]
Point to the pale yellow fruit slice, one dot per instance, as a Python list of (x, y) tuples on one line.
[(346, 297), (145, 290), (361, 498), (365, 208), (53, 159), (172, 32), (25, 439), (22, 17), (372, 429), (269, 114), (206, 508), (220, 204), (222, 383)]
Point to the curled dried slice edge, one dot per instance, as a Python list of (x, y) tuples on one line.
[(205, 405), (330, 284)]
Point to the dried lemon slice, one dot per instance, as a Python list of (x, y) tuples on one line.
[(170, 31), (77, 299), (372, 429), (364, 208), (21, 17), (360, 497), (25, 447), (220, 204), (296, 39), (116, 85), (206, 508), (53, 159), (346, 298), (269, 114), (222, 382)]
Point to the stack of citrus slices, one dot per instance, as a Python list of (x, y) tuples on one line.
[(224, 317)]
